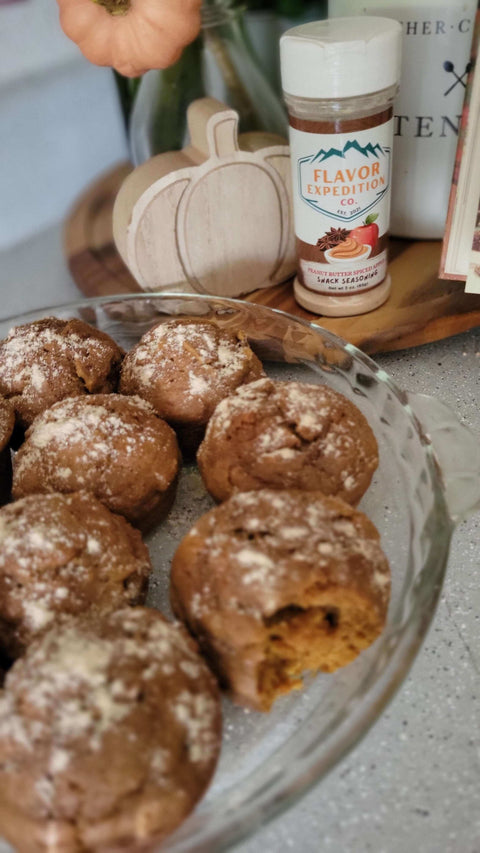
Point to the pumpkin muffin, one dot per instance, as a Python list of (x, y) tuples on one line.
[(109, 735), (288, 435), (113, 446), (7, 422), (64, 554), (184, 368), (273, 584), (50, 359)]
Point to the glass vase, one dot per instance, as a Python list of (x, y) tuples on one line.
[(220, 63), (266, 20)]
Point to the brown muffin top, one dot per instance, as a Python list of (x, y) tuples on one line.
[(184, 368), (50, 359), (104, 716), (113, 446), (64, 554), (277, 583), (261, 551), (288, 435), (7, 422)]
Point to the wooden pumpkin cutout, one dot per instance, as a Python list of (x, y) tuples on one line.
[(213, 218)]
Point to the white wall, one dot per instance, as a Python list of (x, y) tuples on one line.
[(60, 123)]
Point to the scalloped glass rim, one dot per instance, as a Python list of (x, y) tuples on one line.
[(311, 751)]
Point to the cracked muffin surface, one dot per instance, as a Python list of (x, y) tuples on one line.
[(50, 359), (109, 734), (281, 435), (113, 446), (64, 555), (184, 368), (276, 583)]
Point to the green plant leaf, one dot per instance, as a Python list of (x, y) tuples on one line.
[(259, 4), (290, 8), (371, 218)]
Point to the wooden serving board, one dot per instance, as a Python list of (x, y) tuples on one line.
[(421, 307)]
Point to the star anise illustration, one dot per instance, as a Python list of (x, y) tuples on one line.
[(332, 238)]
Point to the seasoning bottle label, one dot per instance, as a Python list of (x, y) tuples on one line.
[(341, 190)]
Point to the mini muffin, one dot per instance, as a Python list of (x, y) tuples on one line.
[(50, 359), (64, 554), (7, 422), (184, 368), (274, 584), (288, 435), (109, 735), (115, 447)]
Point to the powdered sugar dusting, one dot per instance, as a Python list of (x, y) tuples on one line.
[(280, 543), (288, 434), (37, 614), (196, 712), (67, 424), (90, 436), (63, 553), (57, 358), (37, 377), (196, 360), (70, 685), (198, 385), (257, 564)]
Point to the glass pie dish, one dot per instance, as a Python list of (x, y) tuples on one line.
[(428, 479)]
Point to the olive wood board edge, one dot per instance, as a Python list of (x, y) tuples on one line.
[(420, 309)]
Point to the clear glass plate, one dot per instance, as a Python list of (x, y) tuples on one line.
[(428, 478)]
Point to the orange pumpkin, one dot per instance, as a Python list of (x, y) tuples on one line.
[(131, 36)]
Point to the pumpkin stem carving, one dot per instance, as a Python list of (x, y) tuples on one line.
[(213, 128)]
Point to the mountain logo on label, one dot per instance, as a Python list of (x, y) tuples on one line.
[(367, 150), (345, 183)]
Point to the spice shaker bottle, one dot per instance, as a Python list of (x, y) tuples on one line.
[(339, 80)]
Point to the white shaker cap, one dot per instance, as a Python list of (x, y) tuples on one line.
[(341, 57)]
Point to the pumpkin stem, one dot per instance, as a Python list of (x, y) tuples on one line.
[(114, 7)]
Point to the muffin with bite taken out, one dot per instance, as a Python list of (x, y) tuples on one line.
[(275, 583)]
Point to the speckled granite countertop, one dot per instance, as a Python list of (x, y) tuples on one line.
[(413, 783)]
